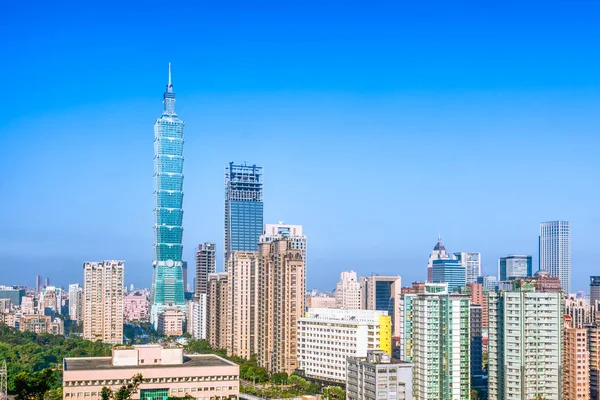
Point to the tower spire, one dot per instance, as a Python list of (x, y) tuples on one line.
[(169, 97), (170, 74)]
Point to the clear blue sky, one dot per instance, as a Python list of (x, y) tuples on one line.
[(379, 125)]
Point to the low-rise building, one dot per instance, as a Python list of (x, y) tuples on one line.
[(376, 377), (166, 372), (136, 306), (171, 321), (327, 336)]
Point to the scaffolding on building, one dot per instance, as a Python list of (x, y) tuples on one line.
[(3, 382)]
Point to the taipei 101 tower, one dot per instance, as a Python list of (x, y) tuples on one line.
[(167, 297)]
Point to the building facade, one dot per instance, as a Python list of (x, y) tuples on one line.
[(167, 372), (438, 253), (514, 267), (136, 307), (472, 264), (327, 336), (382, 293), (243, 269), (321, 302), (293, 233), (75, 302), (206, 263), (243, 208), (580, 312), (441, 348), (521, 322), (167, 284), (452, 272), (218, 320), (103, 290), (595, 291), (593, 338), (555, 251), (377, 376), (197, 317), (347, 292), (576, 367)]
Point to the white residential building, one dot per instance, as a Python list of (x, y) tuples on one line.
[(555, 251), (75, 302), (196, 318), (377, 377), (347, 292), (327, 336), (472, 264), (291, 232)]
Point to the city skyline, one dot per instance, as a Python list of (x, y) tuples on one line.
[(319, 118)]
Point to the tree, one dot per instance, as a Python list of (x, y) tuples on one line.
[(124, 392), (280, 378), (54, 394), (334, 392)]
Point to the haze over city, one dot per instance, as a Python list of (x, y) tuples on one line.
[(377, 130)]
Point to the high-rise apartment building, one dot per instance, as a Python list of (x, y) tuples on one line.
[(196, 322), (50, 300), (206, 263), (580, 312), (438, 253), (218, 320), (38, 283), (281, 287), (293, 233), (103, 290), (472, 264), (441, 348), (476, 335), (382, 293), (479, 296), (243, 208), (243, 270), (452, 272), (593, 337), (167, 285), (555, 251), (514, 266), (321, 351), (576, 367), (594, 291), (525, 340), (377, 376), (75, 302), (347, 292)]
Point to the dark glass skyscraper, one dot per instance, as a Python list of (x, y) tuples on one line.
[(167, 284), (243, 208)]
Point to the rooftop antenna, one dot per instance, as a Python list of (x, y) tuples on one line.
[(169, 74)]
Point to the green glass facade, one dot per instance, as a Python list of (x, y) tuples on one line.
[(167, 284)]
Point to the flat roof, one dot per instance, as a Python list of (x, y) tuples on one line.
[(96, 363)]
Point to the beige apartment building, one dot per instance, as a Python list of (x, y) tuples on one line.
[(281, 285), (576, 367), (166, 372), (170, 321), (218, 320), (243, 267), (593, 337), (103, 301)]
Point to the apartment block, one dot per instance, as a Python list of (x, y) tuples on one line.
[(347, 292), (218, 310), (377, 376), (576, 367)]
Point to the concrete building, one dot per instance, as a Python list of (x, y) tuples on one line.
[(41, 324), (545, 282), (576, 367), (593, 338), (525, 332), (167, 372), (50, 300), (243, 270), (441, 348), (293, 233), (595, 291), (171, 321), (383, 293), (415, 288), (479, 297), (580, 312), (282, 285), (321, 302), (377, 376), (514, 267), (476, 336), (327, 336), (555, 251), (206, 263), (218, 318), (438, 253), (452, 272), (197, 317), (472, 264), (103, 301), (28, 305), (14, 294), (489, 282), (75, 302), (136, 307), (347, 292)]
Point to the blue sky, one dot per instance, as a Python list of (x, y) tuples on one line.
[(378, 124)]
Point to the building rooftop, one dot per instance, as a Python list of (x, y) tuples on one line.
[(97, 363)]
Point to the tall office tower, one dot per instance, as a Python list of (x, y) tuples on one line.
[(582, 314), (438, 253), (489, 282), (514, 266), (523, 322), (576, 367), (38, 283), (47, 282), (218, 320), (593, 337), (347, 292), (451, 272), (377, 376), (167, 284), (103, 289), (476, 335), (281, 285), (75, 302), (594, 291), (555, 251), (243, 208), (441, 348), (184, 271), (243, 268), (322, 357), (291, 232), (472, 264), (206, 262), (382, 293)]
